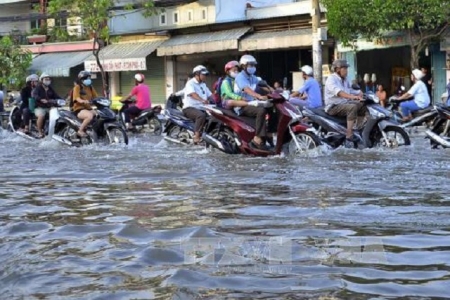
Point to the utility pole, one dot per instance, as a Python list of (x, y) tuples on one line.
[(316, 43)]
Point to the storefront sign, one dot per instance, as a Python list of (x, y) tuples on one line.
[(445, 44), (377, 43), (117, 65)]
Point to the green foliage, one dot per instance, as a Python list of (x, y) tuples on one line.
[(421, 20), (14, 63)]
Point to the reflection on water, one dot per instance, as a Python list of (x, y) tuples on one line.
[(153, 220)]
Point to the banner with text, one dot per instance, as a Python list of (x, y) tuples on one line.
[(117, 65)]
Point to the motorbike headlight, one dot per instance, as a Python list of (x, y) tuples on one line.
[(61, 102), (376, 114)]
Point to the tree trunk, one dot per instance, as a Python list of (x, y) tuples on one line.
[(414, 57), (96, 52)]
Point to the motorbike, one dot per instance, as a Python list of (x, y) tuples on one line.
[(378, 130), (439, 133), (15, 120), (232, 134), (426, 115), (146, 121), (64, 125)]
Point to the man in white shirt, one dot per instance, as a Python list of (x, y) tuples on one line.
[(196, 94), (420, 93)]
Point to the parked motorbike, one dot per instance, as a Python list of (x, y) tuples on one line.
[(378, 130), (439, 133), (232, 134), (64, 126), (424, 116), (15, 120), (146, 122)]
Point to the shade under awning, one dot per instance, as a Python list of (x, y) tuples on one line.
[(123, 56), (58, 64), (277, 40), (202, 42)]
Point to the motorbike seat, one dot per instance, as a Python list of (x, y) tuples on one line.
[(321, 112), (422, 111), (177, 114), (247, 120)]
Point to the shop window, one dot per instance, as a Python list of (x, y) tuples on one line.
[(175, 17)]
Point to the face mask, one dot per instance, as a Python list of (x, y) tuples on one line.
[(251, 70), (233, 74), (47, 82), (87, 82)]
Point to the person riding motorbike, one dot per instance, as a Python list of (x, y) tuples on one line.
[(309, 94), (342, 100), (245, 85), (43, 93), (196, 94), (83, 93), (25, 94), (419, 92), (143, 99), (229, 98)]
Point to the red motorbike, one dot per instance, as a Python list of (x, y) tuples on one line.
[(232, 134)]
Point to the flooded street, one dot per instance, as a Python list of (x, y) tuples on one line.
[(161, 221)]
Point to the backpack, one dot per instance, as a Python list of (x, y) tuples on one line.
[(217, 90)]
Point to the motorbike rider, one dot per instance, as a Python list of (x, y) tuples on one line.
[(245, 85), (342, 100), (143, 99), (196, 94), (43, 93), (419, 92), (83, 93), (229, 98), (309, 94), (25, 94)]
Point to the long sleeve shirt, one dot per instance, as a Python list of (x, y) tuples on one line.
[(226, 89), (40, 93), (333, 86)]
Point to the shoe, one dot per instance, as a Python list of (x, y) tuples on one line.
[(261, 146), (350, 144)]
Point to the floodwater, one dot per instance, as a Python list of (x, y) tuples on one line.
[(161, 221)]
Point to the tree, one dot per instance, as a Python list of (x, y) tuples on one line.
[(422, 21), (14, 63), (94, 16)]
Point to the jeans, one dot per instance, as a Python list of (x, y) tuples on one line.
[(299, 102), (409, 107), (131, 111)]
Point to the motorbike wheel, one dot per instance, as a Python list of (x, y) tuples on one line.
[(393, 133), (180, 134), (226, 136), (116, 135), (154, 125), (69, 133), (306, 140)]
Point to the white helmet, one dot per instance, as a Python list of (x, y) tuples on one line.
[(307, 70), (246, 59), (417, 73), (139, 77), (43, 75), (200, 69)]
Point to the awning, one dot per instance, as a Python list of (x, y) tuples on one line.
[(123, 56), (277, 40), (58, 64), (202, 42)]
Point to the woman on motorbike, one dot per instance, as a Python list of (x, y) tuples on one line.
[(25, 94), (419, 92), (143, 100), (83, 93)]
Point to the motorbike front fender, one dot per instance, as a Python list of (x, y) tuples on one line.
[(53, 118)]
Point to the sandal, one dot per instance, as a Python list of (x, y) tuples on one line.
[(257, 146), (81, 134)]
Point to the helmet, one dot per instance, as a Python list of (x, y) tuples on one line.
[(307, 70), (200, 69), (231, 65), (84, 74), (246, 59), (417, 73), (139, 77), (340, 63), (32, 77), (43, 75)]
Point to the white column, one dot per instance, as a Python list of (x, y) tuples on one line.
[(114, 83), (170, 75)]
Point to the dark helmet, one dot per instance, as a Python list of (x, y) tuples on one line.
[(340, 63)]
